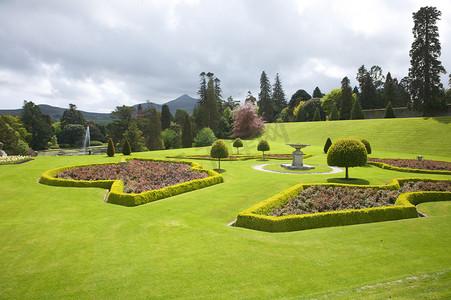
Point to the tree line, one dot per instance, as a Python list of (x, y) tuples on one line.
[(213, 117)]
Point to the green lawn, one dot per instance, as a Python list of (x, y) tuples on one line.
[(60, 242)]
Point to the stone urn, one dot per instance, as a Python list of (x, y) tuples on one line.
[(297, 163)]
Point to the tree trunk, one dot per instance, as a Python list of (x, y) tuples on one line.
[(219, 166), (347, 177)]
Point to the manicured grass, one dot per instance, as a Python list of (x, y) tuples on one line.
[(60, 242), (277, 167)]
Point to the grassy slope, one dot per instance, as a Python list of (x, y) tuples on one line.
[(65, 242)]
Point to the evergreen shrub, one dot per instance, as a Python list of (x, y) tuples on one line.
[(237, 143), (347, 153), (327, 145), (219, 150), (126, 149), (205, 137), (263, 146), (110, 150), (367, 145)]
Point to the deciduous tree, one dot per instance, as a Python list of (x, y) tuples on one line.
[(246, 121)]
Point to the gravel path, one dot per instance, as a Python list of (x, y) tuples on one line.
[(334, 170)]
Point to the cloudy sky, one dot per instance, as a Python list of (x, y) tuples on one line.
[(104, 53)]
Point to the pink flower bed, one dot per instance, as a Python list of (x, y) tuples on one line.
[(319, 198), (138, 176), (415, 164)]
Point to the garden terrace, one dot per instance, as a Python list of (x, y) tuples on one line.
[(61, 242), (430, 165)]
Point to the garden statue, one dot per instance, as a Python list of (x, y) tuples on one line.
[(2, 153), (297, 163)]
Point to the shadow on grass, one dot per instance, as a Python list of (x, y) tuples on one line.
[(219, 170), (357, 181), (439, 119)]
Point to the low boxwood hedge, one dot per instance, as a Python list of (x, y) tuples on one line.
[(116, 187), (235, 157), (256, 217)]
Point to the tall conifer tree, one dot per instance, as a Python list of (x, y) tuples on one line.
[(346, 99), (425, 68), (280, 101), (265, 103)]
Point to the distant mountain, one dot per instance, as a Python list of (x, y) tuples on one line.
[(184, 102)]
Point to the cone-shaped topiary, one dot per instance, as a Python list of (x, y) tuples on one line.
[(237, 143), (316, 115), (389, 112), (126, 149), (367, 145), (347, 153), (334, 116), (187, 134), (219, 150), (110, 150), (327, 145), (263, 146)]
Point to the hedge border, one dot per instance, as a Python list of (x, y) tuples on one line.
[(116, 187), (242, 157), (256, 216), (407, 170)]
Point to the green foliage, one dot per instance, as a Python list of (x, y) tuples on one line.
[(219, 150), (263, 146), (425, 67), (316, 115), (126, 149), (171, 139), (389, 112), (334, 116), (311, 106), (327, 145), (12, 141), (166, 117), (297, 97), (237, 143), (135, 137), (187, 134), (356, 112), (155, 141), (38, 125), (110, 150), (278, 95), (96, 143), (72, 134), (367, 145), (317, 93), (301, 115), (72, 116), (265, 100), (205, 137), (348, 153), (346, 99)]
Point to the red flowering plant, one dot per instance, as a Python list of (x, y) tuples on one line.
[(138, 176), (432, 165), (319, 198)]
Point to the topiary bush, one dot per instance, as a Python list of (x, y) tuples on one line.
[(367, 145), (237, 143), (205, 137), (389, 112), (126, 149), (110, 150), (347, 153), (327, 145), (263, 146), (219, 150)]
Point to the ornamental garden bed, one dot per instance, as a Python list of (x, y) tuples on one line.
[(319, 198), (14, 159), (326, 205), (135, 181), (239, 157), (431, 166)]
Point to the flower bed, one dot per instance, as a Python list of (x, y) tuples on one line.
[(138, 176), (319, 198), (116, 193), (14, 159), (239, 157), (256, 217), (431, 165)]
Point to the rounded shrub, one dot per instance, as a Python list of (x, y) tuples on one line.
[(347, 153), (327, 145), (126, 149), (219, 150), (205, 137), (263, 146), (237, 143), (367, 145), (110, 150)]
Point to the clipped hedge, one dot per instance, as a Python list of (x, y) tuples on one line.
[(236, 157), (407, 170), (256, 217), (116, 187)]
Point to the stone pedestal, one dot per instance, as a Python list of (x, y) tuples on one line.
[(297, 163)]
